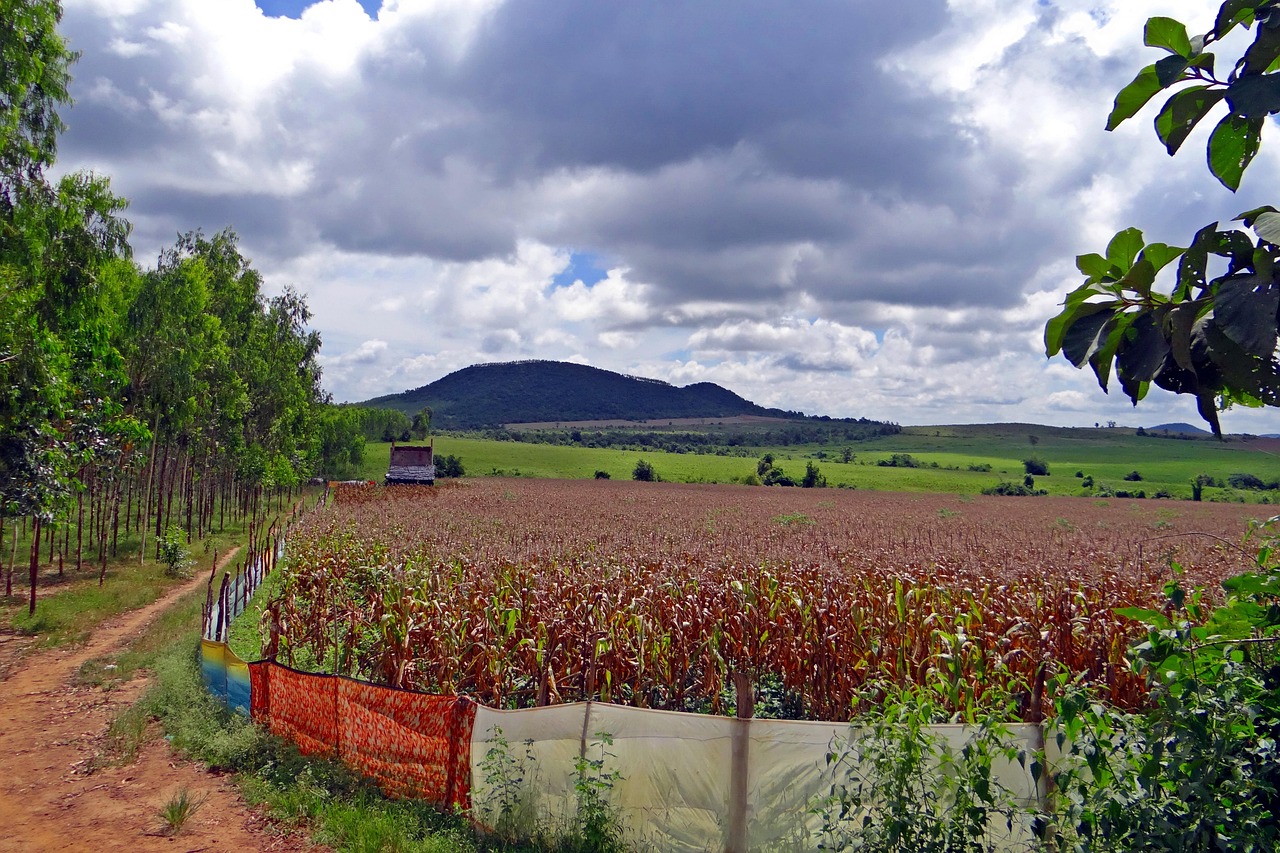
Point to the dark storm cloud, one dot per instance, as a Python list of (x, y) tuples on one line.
[(641, 85)]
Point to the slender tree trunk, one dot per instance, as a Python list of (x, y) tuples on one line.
[(115, 518), (79, 531), (13, 562), (128, 507), (151, 470), (160, 490), (35, 563)]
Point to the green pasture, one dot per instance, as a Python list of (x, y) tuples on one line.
[(1106, 455)]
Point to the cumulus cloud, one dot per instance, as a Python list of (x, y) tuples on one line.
[(842, 207)]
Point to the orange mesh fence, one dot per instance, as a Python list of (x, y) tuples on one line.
[(414, 745), (411, 744)]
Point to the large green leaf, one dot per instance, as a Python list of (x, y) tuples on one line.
[(1096, 267), (1124, 247), (1262, 54), (1170, 70), (1178, 325), (1232, 146), (1255, 95), (1144, 348), (1160, 254), (1074, 308), (1267, 226), (1134, 96), (1182, 112), (1087, 332), (1168, 34), (1233, 13), (1110, 337), (1245, 309), (1140, 277)]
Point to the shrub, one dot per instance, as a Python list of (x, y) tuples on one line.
[(1133, 476), (449, 466), (812, 479), (1197, 768), (1035, 465), (643, 472), (775, 476), (1246, 481), (602, 475), (900, 460), (1007, 489)]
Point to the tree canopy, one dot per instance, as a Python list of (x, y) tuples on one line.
[(184, 380)]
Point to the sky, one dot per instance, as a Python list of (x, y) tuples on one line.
[(857, 208)]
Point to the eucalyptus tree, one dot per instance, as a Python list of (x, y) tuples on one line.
[(1213, 333)]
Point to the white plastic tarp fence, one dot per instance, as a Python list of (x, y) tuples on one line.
[(689, 782)]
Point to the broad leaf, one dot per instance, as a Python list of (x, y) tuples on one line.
[(1232, 147), (1178, 325), (1170, 70), (1134, 97), (1233, 13), (1182, 112), (1154, 618), (1173, 377), (1144, 348), (1074, 308), (1140, 277), (1206, 405), (1096, 267), (1124, 247), (1254, 96), (1245, 310), (1262, 53), (1160, 254), (1267, 226), (1110, 337), (1086, 333), (1168, 34)]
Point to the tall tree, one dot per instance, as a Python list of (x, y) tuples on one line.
[(34, 63)]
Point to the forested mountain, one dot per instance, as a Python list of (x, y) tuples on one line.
[(131, 398), (534, 391)]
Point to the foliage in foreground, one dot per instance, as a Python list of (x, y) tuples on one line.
[(1212, 338), (1198, 770)]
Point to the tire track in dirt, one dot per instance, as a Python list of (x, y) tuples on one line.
[(50, 731)]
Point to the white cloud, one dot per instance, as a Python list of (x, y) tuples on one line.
[(876, 232)]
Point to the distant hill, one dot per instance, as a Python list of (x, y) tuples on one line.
[(486, 395), (1179, 427)]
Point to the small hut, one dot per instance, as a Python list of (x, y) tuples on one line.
[(412, 465)]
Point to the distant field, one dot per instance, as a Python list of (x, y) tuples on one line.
[(1106, 455)]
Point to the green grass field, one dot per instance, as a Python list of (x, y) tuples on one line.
[(1106, 455)]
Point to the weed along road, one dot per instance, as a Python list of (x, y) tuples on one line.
[(60, 788)]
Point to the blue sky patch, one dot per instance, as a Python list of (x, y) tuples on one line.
[(587, 266), (294, 8)]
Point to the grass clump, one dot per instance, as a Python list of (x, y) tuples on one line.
[(179, 810)]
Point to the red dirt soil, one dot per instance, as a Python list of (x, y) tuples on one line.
[(53, 797)]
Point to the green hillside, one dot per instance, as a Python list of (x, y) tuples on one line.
[(487, 395)]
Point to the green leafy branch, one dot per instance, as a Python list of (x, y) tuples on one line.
[(1213, 338)]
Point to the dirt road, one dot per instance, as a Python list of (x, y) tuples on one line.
[(52, 798)]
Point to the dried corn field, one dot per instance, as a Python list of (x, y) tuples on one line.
[(525, 592)]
